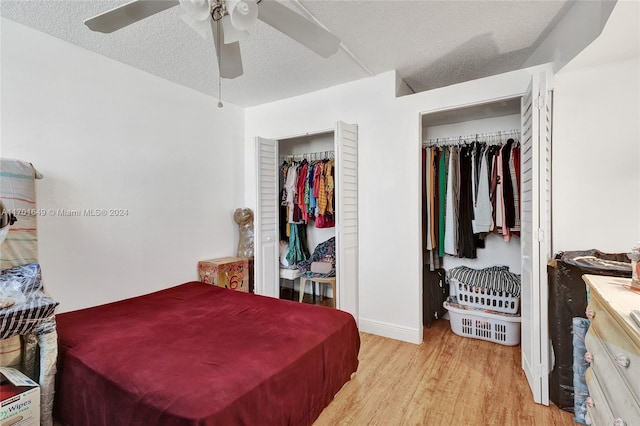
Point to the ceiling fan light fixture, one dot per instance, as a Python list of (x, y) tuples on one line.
[(243, 13), (200, 10), (231, 33), (237, 15)]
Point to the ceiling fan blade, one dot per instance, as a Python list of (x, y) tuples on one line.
[(127, 14), (298, 28), (230, 60)]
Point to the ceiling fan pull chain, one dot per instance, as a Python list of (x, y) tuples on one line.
[(218, 10), (220, 105)]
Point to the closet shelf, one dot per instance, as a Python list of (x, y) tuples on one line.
[(492, 138)]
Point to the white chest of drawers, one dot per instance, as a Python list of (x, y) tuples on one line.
[(613, 349)]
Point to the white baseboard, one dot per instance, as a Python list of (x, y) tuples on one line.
[(391, 331)]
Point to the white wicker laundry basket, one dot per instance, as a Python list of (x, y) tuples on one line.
[(480, 324), (485, 298)]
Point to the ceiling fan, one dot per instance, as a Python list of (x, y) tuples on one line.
[(228, 20)]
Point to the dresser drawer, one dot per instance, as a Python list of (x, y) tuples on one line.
[(598, 411), (613, 389), (618, 347)]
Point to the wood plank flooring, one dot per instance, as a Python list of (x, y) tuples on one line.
[(448, 380), (286, 293)]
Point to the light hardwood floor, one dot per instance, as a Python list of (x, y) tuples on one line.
[(448, 380)]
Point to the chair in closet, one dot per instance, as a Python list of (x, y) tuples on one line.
[(324, 252), (290, 275)]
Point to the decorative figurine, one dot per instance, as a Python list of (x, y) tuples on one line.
[(244, 219)]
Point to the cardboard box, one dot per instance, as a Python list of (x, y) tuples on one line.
[(19, 399), (227, 272)]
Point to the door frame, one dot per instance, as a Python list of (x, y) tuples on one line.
[(538, 398), (421, 114), (273, 290)]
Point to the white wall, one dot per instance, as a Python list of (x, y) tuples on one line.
[(107, 136), (389, 162), (596, 157), (322, 144), (596, 140), (582, 23)]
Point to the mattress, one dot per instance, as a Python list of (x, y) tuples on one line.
[(196, 354)]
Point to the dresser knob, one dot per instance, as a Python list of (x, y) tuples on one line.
[(619, 422), (588, 357), (591, 314), (589, 402), (622, 360)]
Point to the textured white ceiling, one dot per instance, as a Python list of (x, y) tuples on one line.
[(430, 43)]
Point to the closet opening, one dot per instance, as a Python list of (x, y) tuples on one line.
[(332, 231), (470, 202), (306, 217)]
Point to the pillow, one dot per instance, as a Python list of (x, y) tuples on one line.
[(25, 278), (321, 267)]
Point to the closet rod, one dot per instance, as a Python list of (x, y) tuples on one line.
[(309, 156), (489, 138)]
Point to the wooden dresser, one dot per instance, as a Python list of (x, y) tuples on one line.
[(613, 350)]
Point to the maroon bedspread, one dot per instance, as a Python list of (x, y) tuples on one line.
[(196, 354)]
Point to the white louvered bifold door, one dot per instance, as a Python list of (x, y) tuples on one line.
[(266, 234), (535, 215), (545, 247), (347, 217), (546, 163)]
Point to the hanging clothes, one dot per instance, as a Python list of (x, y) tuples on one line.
[(499, 206), (482, 220), (308, 192), (434, 205), (425, 201), (434, 192), (329, 214), (466, 241), (283, 216), (451, 214), (298, 251), (310, 199), (442, 184), (493, 187), (301, 207), (514, 168), (469, 190), (291, 187), (325, 190), (507, 186), (427, 182)]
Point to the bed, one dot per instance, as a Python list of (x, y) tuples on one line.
[(197, 354)]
